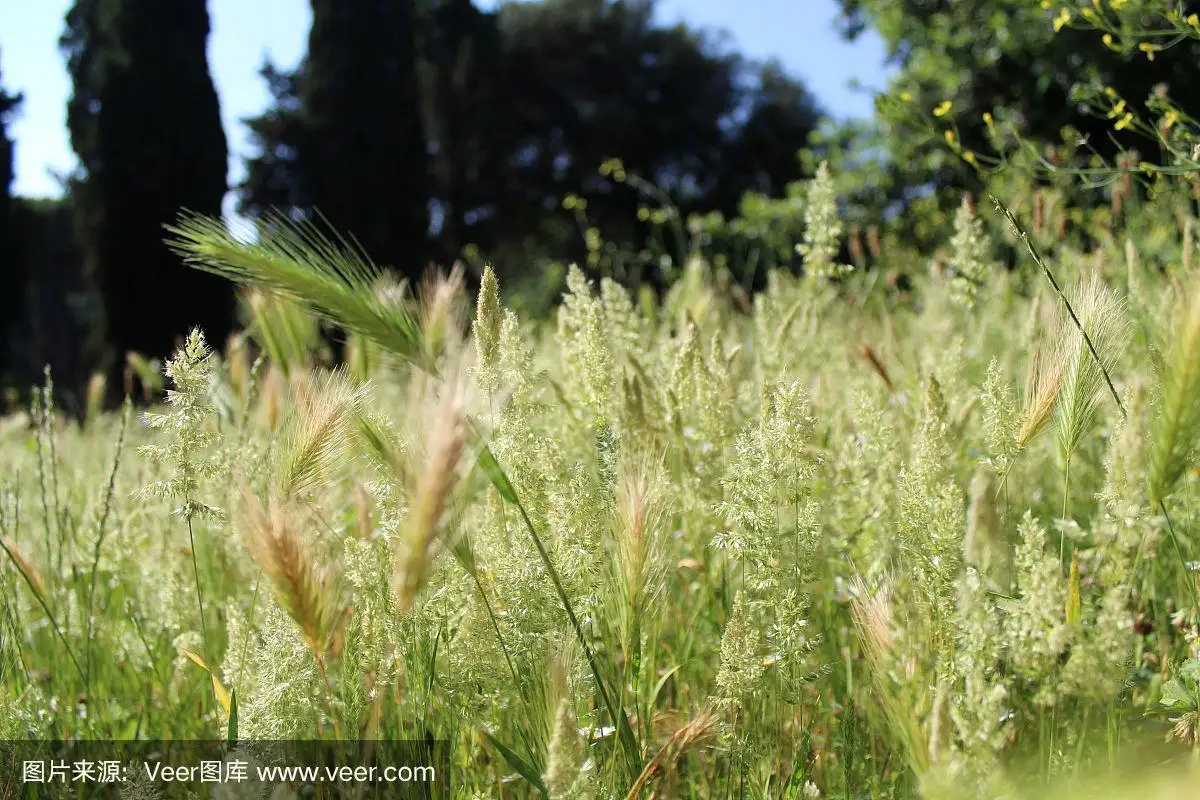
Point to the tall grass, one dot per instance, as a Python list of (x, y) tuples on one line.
[(702, 549)]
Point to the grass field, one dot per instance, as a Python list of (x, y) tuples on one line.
[(839, 539)]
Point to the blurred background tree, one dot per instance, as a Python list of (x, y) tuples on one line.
[(522, 105), (12, 266), (145, 123), (1025, 75), (440, 130)]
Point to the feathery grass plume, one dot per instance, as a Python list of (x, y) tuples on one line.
[(307, 585), (986, 546), (282, 327), (741, 671), (968, 255), (1101, 315), (999, 417), (1087, 340), (444, 445), (486, 328), (191, 374), (442, 311), (1176, 427), (315, 437), (1047, 365), (638, 555), (332, 278), (872, 614), (822, 227), (564, 777), (382, 446), (590, 380)]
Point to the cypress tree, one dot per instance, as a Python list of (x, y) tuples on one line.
[(361, 159), (145, 122)]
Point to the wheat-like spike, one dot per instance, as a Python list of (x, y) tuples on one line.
[(1033, 253), (1101, 314), (306, 586), (1176, 428), (1046, 368), (872, 614), (334, 279), (315, 438), (444, 447), (443, 309)]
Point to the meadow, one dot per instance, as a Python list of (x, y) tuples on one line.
[(840, 538)]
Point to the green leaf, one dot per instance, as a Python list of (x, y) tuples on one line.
[(495, 474), (523, 767), (231, 730), (1173, 694)]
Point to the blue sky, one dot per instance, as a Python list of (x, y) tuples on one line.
[(798, 32)]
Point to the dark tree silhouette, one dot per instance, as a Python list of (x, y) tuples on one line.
[(12, 265), (361, 158), (145, 122), (521, 106)]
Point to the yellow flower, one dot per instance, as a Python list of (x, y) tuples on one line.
[(906, 97), (1046, 4), (1193, 20), (1149, 49), (1064, 16), (1169, 119), (951, 139), (1116, 4), (1124, 122), (1117, 110), (969, 157), (943, 108), (1108, 40)]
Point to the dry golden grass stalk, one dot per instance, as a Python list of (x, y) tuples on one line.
[(695, 733), (307, 586), (25, 566), (868, 353), (435, 483), (1047, 368)]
